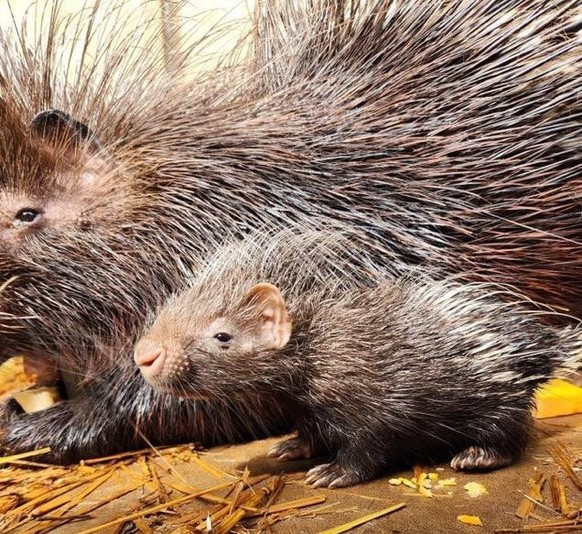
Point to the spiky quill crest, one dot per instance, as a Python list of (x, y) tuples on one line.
[(467, 109), (444, 134)]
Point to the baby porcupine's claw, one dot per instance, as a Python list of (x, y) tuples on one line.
[(291, 449), (475, 458), (332, 475)]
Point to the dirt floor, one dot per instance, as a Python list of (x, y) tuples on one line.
[(421, 514)]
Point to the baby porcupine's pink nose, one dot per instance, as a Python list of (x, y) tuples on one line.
[(149, 357)]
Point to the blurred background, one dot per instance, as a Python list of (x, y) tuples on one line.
[(183, 22)]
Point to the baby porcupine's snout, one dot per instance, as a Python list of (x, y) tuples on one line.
[(150, 357)]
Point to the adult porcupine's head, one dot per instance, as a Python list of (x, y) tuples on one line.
[(90, 112)]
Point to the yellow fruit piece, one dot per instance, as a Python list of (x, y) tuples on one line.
[(470, 520), (557, 398), (12, 377), (10, 368), (421, 479)]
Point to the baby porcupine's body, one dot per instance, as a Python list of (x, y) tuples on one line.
[(376, 374)]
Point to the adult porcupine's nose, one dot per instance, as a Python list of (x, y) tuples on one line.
[(150, 357)]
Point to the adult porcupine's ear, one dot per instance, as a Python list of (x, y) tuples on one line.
[(56, 126), (270, 311), (73, 141)]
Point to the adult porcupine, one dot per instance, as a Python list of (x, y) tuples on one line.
[(446, 134), (378, 373)]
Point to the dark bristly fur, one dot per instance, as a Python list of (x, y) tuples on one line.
[(446, 135), (375, 374)]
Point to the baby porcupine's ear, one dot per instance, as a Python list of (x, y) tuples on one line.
[(274, 323), (73, 141)]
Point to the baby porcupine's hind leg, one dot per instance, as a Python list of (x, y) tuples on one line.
[(497, 444), (477, 458)]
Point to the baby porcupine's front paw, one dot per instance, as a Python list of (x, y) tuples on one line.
[(291, 449), (332, 475)]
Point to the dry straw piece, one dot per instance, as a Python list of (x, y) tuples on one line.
[(35, 500), (362, 520), (560, 453)]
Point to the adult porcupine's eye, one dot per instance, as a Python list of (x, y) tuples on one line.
[(27, 216), (223, 338)]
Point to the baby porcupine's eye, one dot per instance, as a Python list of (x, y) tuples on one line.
[(27, 216), (223, 339)]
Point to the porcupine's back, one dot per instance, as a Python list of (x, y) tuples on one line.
[(442, 367), (442, 134), (455, 124)]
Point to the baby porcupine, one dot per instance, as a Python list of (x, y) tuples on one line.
[(396, 370)]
